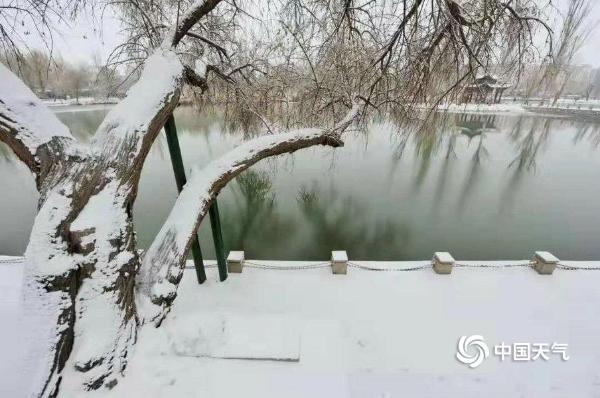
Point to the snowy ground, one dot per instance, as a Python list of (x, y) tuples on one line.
[(565, 108), (365, 334), (482, 108), (81, 101)]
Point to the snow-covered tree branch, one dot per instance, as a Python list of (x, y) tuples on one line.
[(163, 264), (30, 129), (127, 132)]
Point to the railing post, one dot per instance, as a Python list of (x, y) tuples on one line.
[(544, 262), (443, 262), (215, 224), (235, 261), (339, 262), (180, 180)]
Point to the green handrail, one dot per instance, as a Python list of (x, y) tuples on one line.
[(215, 224), (180, 180)]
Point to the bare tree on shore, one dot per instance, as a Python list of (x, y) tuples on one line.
[(319, 53), (573, 34), (53, 77)]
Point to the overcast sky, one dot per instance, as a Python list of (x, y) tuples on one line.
[(85, 39)]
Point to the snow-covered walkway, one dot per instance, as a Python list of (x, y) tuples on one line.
[(364, 334)]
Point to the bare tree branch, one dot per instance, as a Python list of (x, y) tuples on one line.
[(220, 49), (189, 19)]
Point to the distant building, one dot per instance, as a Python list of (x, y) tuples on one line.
[(485, 89)]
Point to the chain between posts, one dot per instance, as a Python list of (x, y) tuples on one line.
[(253, 264), (389, 269), (509, 265), (576, 268), (324, 264)]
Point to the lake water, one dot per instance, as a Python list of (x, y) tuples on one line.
[(481, 187)]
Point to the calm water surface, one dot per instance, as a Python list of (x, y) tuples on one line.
[(481, 187)]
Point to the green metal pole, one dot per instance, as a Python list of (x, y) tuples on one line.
[(180, 180), (215, 224)]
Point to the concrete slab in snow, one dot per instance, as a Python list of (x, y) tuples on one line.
[(234, 336)]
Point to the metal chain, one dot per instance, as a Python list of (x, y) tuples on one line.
[(576, 268), (256, 265), (463, 265), (252, 264), (205, 266), (387, 269)]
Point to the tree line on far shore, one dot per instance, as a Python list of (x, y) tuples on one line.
[(52, 77)]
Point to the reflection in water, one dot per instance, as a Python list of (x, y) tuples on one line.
[(335, 223), (589, 132), (446, 171), (474, 175), (474, 125), (480, 186), (527, 141), (253, 213), (83, 123)]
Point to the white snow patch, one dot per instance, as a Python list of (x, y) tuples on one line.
[(444, 257), (367, 334), (235, 256), (200, 67), (45, 251), (72, 104), (339, 256), (36, 123), (131, 116), (26, 344), (547, 257), (235, 336), (10, 310), (478, 108)]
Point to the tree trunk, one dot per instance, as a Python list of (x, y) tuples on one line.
[(80, 278)]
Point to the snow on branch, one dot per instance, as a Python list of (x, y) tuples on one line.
[(26, 124), (163, 263), (129, 129), (131, 126), (196, 12)]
